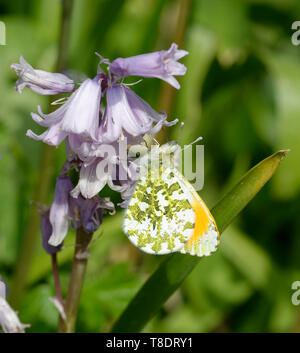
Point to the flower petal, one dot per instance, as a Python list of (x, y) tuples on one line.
[(53, 136), (126, 112), (82, 115), (89, 185), (161, 64), (40, 81), (59, 211), (46, 230)]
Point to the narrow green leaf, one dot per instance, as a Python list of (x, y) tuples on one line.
[(244, 191), (173, 270)]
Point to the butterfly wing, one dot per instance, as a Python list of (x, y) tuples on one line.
[(205, 238), (159, 218)]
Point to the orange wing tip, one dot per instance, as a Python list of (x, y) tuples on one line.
[(205, 238)]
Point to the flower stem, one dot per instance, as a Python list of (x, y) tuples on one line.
[(45, 176), (76, 282)]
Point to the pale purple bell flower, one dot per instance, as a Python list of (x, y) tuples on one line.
[(90, 215), (161, 64), (104, 164), (84, 149), (87, 150), (41, 82), (46, 230), (78, 115), (67, 210), (93, 178), (127, 112), (91, 182), (60, 210), (53, 136), (82, 115), (90, 212)]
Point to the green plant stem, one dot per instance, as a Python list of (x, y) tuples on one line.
[(76, 282), (44, 178), (174, 269)]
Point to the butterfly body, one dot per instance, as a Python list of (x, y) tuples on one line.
[(165, 214)]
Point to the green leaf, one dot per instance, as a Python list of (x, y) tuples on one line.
[(173, 270)]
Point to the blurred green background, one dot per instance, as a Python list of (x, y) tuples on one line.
[(241, 93)]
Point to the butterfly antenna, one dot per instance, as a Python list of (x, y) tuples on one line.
[(154, 139), (180, 132), (192, 143)]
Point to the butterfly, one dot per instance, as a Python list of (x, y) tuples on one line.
[(165, 213)]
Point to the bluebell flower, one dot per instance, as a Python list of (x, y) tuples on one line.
[(60, 210), (127, 112), (41, 82), (78, 115), (161, 64), (67, 210), (104, 164), (90, 212), (46, 230)]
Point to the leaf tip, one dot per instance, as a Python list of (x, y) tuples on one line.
[(283, 153)]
